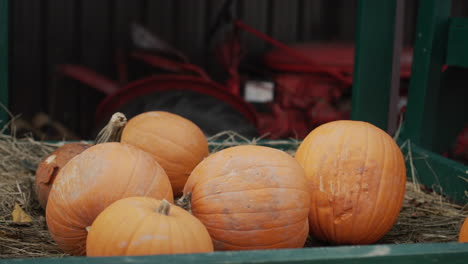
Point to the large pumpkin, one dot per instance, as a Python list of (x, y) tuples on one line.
[(94, 179), (463, 236), (175, 142), (151, 227), (50, 166), (357, 174), (251, 197)]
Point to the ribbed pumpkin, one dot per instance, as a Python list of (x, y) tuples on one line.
[(50, 166), (463, 236), (357, 174), (150, 227), (251, 197), (94, 179), (175, 142)]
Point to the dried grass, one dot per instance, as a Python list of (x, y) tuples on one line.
[(425, 217)]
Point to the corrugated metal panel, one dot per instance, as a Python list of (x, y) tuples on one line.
[(49, 32)]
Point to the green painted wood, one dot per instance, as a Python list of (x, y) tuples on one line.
[(402, 254), (373, 61), (428, 58), (457, 52), (434, 171), (4, 92)]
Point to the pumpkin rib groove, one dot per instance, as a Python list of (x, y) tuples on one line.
[(267, 245), (364, 166), (313, 195), (151, 134), (184, 237), (132, 176), (386, 218), (246, 190), (135, 231), (255, 230), (371, 219), (242, 170), (112, 238), (256, 212), (335, 180)]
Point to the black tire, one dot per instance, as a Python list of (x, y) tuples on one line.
[(209, 113)]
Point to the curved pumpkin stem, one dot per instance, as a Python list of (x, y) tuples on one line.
[(164, 207), (185, 202), (113, 130)]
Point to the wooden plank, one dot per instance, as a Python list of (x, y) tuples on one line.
[(4, 88), (393, 111), (373, 66), (62, 47), (457, 54), (255, 14), (213, 40), (284, 20), (410, 17), (441, 174), (125, 13), (162, 19), (459, 8), (347, 13), (331, 19), (97, 52), (191, 29), (454, 253), (311, 20), (27, 54), (429, 56)]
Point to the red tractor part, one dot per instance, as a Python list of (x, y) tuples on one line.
[(187, 79), (317, 89)]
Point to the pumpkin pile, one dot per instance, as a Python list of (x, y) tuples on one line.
[(151, 187)]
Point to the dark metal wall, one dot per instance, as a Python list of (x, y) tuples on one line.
[(45, 33)]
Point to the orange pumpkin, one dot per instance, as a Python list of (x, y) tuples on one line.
[(175, 142), (151, 227), (357, 174), (251, 197), (463, 236), (91, 181), (50, 165)]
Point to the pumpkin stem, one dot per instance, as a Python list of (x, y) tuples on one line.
[(164, 207), (185, 202), (113, 130)]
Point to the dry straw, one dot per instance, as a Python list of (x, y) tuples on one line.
[(425, 217)]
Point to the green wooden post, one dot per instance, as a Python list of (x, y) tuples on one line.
[(373, 61), (3, 61), (429, 56)]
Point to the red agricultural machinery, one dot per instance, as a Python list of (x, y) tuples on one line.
[(310, 85)]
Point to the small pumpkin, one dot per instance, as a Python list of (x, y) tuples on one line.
[(358, 176), (50, 166), (463, 235), (151, 227), (174, 142), (250, 197), (91, 181)]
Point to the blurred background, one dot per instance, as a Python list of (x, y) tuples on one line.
[(112, 45)]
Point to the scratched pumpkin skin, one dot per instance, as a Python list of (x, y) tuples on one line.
[(151, 227), (358, 176), (251, 197)]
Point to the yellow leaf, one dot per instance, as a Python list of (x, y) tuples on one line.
[(19, 215)]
